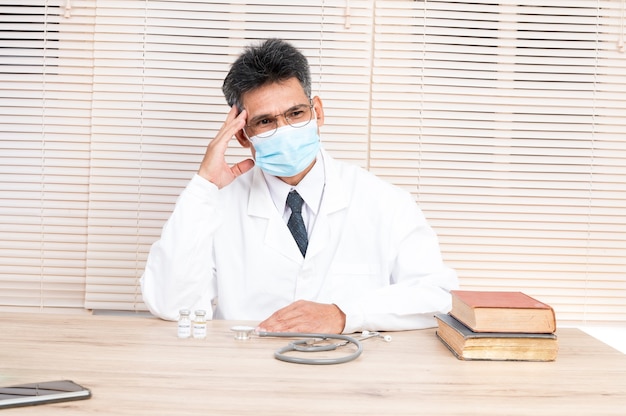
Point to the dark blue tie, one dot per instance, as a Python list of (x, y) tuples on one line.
[(296, 223)]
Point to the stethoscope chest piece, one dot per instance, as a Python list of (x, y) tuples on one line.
[(242, 332)]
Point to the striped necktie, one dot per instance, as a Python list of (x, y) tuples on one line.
[(296, 223)]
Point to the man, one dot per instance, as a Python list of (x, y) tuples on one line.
[(363, 255)]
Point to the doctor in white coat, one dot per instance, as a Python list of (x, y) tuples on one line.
[(368, 259)]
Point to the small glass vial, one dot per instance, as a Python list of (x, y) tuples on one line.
[(199, 324), (184, 324)]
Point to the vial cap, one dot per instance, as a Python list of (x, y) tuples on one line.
[(200, 312), (184, 312)]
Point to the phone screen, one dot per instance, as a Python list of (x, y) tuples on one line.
[(41, 393)]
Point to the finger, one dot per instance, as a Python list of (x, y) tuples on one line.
[(233, 123), (306, 316), (242, 167), (282, 320)]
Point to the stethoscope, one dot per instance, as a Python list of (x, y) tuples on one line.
[(310, 342)]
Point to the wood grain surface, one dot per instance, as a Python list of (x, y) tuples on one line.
[(138, 366)]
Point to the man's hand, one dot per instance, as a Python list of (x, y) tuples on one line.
[(214, 167), (306, 316)]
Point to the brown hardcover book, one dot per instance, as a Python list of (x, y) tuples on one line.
[(484, 311), (466, 344)]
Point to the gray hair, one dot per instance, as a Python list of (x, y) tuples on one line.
[(273, 60)]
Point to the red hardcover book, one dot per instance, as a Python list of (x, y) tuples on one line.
[(486, 311)]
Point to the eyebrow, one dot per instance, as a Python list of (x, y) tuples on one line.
[(264, 116)]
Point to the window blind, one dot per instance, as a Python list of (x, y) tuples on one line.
[(507, 121), (45, 83)]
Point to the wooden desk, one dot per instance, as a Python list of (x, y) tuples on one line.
[(137, 366)]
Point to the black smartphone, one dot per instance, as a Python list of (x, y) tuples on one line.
[(42, 393)]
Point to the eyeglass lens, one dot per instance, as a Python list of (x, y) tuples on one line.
[(298, 116)]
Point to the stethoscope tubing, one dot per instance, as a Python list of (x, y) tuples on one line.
[(303, 345)]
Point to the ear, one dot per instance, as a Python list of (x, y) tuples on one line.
[(319, 110), (242, 139)]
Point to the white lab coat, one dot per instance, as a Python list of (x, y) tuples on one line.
[(371, 252)]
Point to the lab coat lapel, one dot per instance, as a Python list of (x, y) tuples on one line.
[(277, 235), (330, 219)]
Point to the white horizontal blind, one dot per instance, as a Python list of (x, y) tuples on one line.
[(157, 101), (45, 100), (508, 121)]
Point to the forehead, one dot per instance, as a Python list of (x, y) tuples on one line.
[(274, 98)]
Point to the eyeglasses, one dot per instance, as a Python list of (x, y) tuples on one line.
[(265, 126)]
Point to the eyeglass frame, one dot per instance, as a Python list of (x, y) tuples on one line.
[(271, 132)]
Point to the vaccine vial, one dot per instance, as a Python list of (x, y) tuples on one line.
[(184, 324), (199, 324)]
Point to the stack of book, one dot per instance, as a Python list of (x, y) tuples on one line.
[(484, 325)]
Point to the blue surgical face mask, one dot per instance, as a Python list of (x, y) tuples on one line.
[(288, 151)]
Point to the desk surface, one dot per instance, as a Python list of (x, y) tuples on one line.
[(137, 366)]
